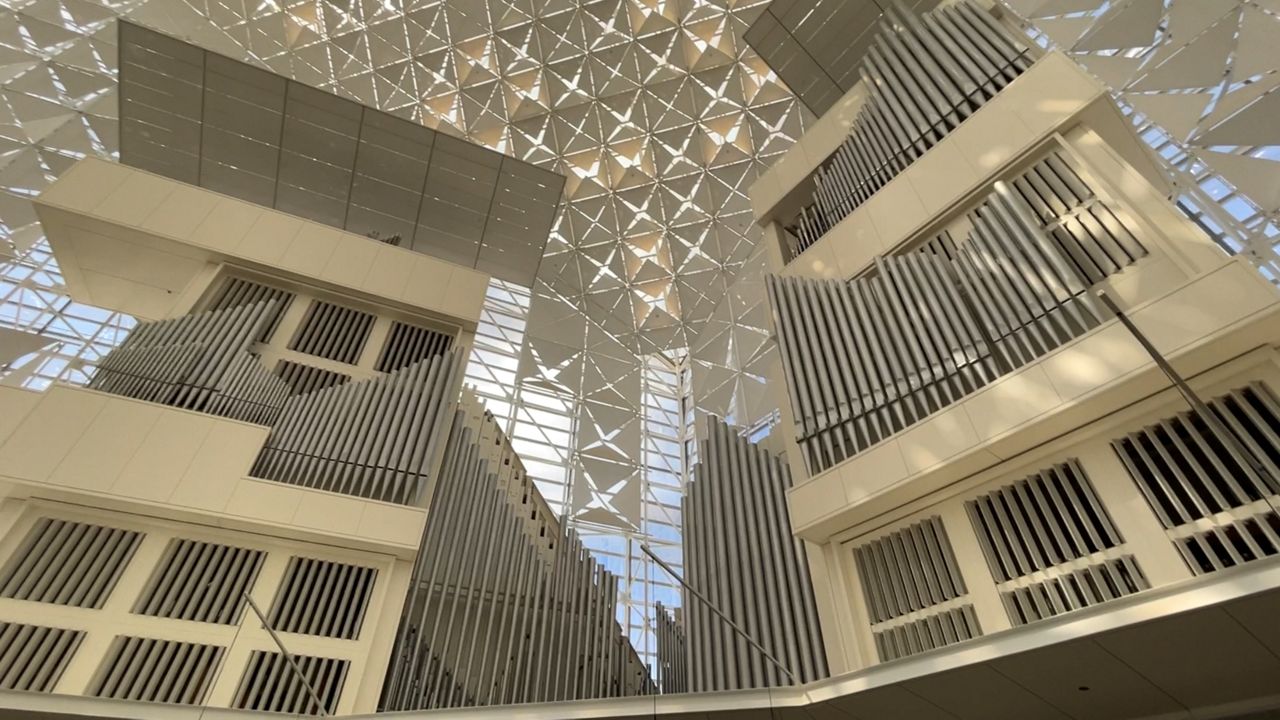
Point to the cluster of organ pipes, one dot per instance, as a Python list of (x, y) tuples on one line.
[(924, 75), (868, 357), (198, 362), (673, 656), (505, 606), (737, 500), (374, 438)]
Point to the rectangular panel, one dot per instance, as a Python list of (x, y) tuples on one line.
[(318, 157), (526, 200), (460, 188), (243, 119)]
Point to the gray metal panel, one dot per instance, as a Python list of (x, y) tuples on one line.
[(207, 120)]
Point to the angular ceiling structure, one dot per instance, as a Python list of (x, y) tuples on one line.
[(1207, 73)]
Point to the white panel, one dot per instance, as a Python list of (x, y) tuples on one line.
[(1125, 25)]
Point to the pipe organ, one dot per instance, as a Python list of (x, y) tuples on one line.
[(372, 438), (199, 362), (673, 655), (924, 75), (866, 358), (505, 604), (739, 552)]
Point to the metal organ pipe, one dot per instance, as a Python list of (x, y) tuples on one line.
[(739, 552), (868, 357), (924, 76), (373, 438), (503, 608)]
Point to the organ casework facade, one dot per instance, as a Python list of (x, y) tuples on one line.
[(976, 441), (283, 429)]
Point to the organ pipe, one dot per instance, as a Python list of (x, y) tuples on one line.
[(198, 362), (868, 357), (505, 605), (924, 75), (375, 438), (739, 552)]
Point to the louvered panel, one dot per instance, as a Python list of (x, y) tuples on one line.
[(928, 633), (1214, 504), (200, 581), (407, 344), (1186, 471), (333, 332), (238, 291), (908, 570), (1043, 520), (68, 563), (270, 684), (153, 670), (1228, 546), (302, 378), (1081, 588), (323, 598), (32, 657)]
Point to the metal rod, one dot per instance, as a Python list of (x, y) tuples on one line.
[(287, 655), (743, 633)]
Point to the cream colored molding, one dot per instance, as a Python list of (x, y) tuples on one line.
[(109, 451), (136, 242)]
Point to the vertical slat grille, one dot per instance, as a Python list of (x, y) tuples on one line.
[(202, 582), (333, 332), (198, 362), (908, 570), (68, 563), (924, 76), (1190, 476), (323, 598), (928, 633), (32, 657), (867, 358), (269, 684), (236, 292), (374, 438), (1043, 520), (1226, 547), (407, 344), (1080, 588), (152, 670), (302, 378)]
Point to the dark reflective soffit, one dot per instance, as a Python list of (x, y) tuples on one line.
[(816, 46), (207, 120)]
